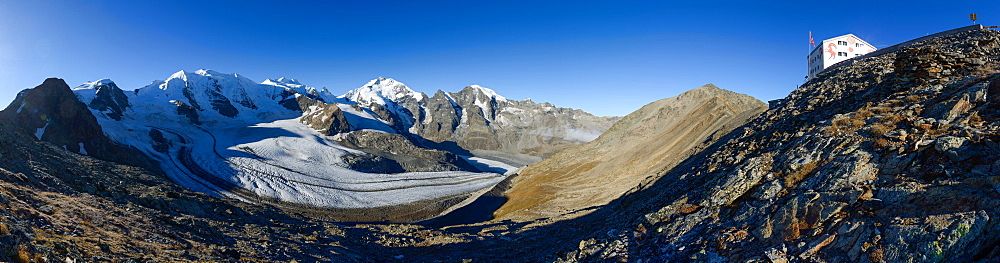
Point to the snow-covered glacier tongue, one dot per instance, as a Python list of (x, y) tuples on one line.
[(291, 145)]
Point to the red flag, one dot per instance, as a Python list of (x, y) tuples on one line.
[(811, 41)]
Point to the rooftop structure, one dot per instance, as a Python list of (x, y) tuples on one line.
[(836, 50)]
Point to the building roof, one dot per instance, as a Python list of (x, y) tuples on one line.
[(820, 46)]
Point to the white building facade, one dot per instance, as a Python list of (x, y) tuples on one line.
[(836, 50)]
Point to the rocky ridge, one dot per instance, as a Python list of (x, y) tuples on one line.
[(477, 118), (891, 158), (640, 146), (53, 113)]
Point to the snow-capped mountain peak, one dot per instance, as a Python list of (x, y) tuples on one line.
[(182, 75), (282, 80), (88, 90), (209, 72), (488, 92), (295, 85), (93, 85), (381, 90), (289, 81)]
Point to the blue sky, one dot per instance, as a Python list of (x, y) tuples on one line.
[(605, 57)]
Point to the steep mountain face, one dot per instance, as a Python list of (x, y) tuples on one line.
[(54, 114), (892, 158), (642, 145), (477, 118)]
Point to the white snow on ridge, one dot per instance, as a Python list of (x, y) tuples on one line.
[(296, 86), (41, 131), (265, 149), (386, 93), (380, 91), (364, 119), (88, 90), (489, 93)]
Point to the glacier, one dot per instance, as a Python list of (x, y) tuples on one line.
[(246, 145)]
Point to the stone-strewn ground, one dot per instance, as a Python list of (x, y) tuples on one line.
[(894, 158)]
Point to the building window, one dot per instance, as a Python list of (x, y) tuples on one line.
[(842, 43)]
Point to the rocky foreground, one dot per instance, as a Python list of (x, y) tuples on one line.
[(894, 158)]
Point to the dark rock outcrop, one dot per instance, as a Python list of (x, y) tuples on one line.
[(187, 111), (54, 114), (398, 148), (109, 99), (325, 118)]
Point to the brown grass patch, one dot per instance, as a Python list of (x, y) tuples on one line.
[(792, 179), (689, 208), (880, 110), (539, 187), (22, 255), (864, 113), (830, 130), (942, 130), (877, 255), (913, 99), (879, 129), (891, 119), (4, 230), (882, 143), (849, 124), (976, 120)]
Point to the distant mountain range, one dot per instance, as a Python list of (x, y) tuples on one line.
[(382, 145)]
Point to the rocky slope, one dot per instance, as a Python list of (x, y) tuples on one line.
[(642, 145), (58, 206), (52, 113), (477, 118), (892, 158)]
